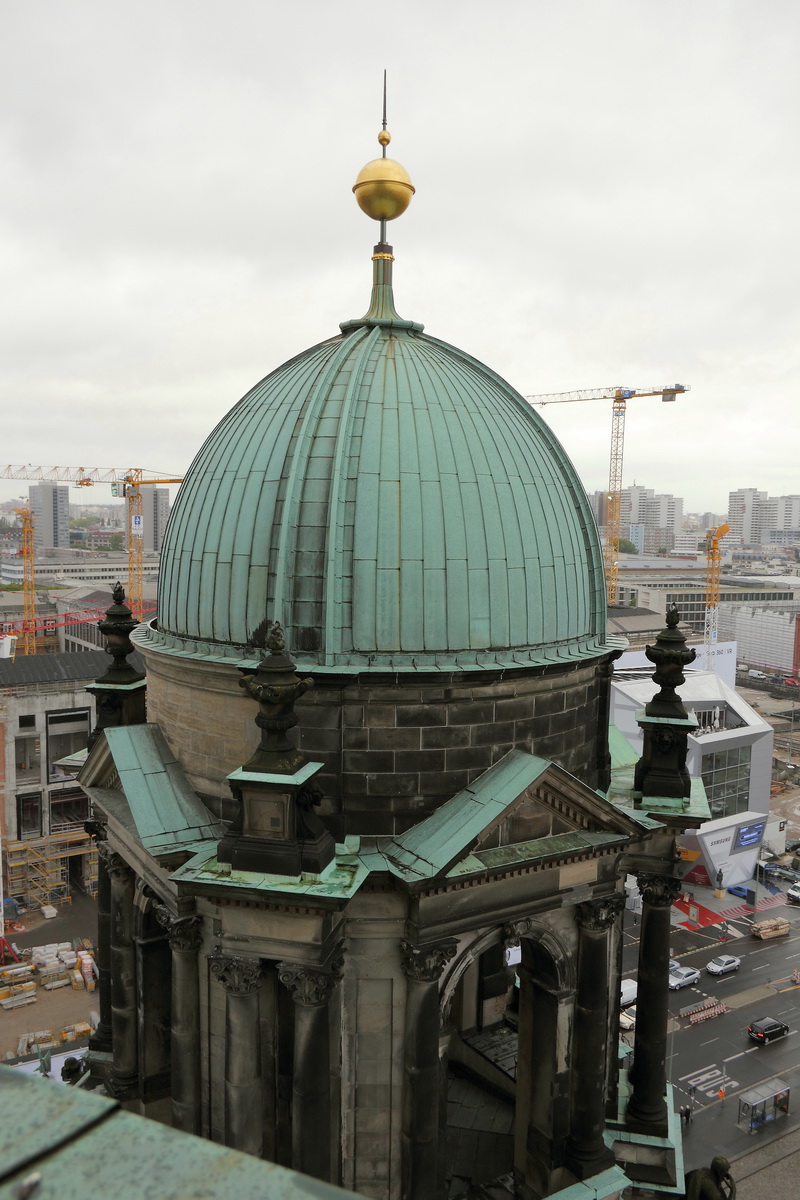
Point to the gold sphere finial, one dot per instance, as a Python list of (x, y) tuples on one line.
[(384, 137)]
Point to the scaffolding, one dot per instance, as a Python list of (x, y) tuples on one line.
[(38, 869)]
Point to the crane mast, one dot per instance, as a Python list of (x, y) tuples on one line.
[(28, 638), (620, 397), (713, 573)]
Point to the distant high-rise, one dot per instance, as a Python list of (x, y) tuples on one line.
[(155, 511), (49, 503), (756, 518)]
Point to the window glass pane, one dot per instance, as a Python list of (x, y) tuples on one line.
[(29, 815), (27, 757), (68, 810)]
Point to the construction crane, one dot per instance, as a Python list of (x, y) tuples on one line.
[(713, 572), (28, 638), (620, 397), (124, 481)]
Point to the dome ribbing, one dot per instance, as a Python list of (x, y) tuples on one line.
[(394, 504)]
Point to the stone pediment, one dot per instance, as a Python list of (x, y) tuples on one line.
[(132, 775), (522, 809)]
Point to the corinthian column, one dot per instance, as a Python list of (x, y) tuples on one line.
[(184, 935), (124, 1074), (423, 966), (241, 979), (311, 989), (586, 1150), (647, 1107)]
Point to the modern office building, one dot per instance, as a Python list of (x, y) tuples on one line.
[(49, 505)]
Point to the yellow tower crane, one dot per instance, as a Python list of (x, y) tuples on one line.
[(27, 643), (713, 573), (620, 397), (130, 480)]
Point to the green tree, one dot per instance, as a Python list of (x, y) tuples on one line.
[(115, 542), (626, 546)]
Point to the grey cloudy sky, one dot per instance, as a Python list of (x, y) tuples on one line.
[(606, 194)]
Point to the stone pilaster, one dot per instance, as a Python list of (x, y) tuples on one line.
[(587, 1153), (185, 935), (423, 966), (311, 989), (241, 979), (124, 1074), (647, 1107)]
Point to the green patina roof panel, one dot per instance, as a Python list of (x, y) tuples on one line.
[(432, 846), (167, 812), (395, 504)]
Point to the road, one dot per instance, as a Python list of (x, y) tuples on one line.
[(717, 1052)]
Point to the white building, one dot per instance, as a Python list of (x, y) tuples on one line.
[(78, 567), (766, 636), (732, 749), (49, 505), (155, 513)]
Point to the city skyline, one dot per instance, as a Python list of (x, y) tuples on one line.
[(604, 197)]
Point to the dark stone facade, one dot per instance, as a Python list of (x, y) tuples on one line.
[(396, 748)]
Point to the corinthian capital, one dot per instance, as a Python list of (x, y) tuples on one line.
[(426, 963), (595, 916), (239, 976), (183, 933), (658, 890), (309, 986), (114, 863)]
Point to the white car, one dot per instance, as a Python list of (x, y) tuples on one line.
[(723, 964), (682, 977)]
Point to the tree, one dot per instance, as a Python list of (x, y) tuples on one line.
[(627, 547), (115, 542)]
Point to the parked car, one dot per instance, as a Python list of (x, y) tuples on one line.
[(767, 1029), (793, 894), (738, 890), (673, 964), (723, 964), (627, 1019), (682, 977), (791, 683), (627, 992)]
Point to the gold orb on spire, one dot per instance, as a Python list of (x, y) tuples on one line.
[(383, 188)]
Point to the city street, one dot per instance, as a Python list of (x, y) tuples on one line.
[(717, 1052)]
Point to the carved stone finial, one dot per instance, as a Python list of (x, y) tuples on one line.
[(117, 627), (277, 688), (276, 642), (670, 655)]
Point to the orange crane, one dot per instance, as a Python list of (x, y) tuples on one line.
[(130, 480), (28, 639), (620, 397), (713, 572)]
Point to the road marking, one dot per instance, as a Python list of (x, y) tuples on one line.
[(793, 956), (761, 968), (708, 1043), (733, 1056)]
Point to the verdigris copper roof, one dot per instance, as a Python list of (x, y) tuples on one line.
[(394, 504)]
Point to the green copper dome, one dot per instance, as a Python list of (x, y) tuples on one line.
[(394, 504)]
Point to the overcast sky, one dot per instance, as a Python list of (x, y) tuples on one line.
[(607, 194)]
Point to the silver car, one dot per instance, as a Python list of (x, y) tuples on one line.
[(682, 977), (723, 964)]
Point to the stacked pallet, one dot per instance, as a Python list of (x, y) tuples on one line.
[(87, 968), (17, 986)]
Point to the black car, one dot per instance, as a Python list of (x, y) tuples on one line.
[(767, 1029)]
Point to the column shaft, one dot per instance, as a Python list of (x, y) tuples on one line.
[(123, 978), (101, 1039), (647, 1107), (185, 1041), (241, 978), (586, 1148)]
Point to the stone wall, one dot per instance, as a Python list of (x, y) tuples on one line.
[(394, 748)]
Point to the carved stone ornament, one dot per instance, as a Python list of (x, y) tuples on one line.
[(309, 986), (595, 916), (658, 890), (183, 933), (515, 931), (239, 976), (114, 863), (426, 963), (96, 829)]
